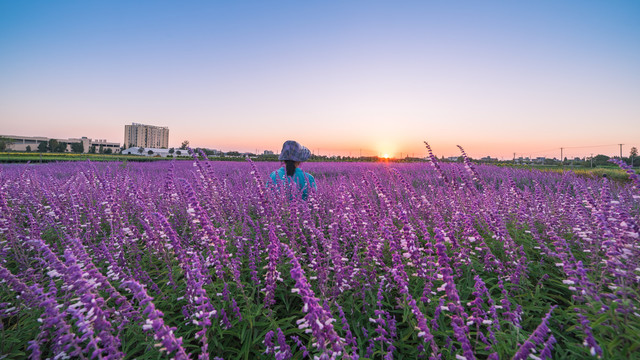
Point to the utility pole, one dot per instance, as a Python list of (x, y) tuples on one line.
[(514, 158), (620, 151), (561, 158), (591, 159)]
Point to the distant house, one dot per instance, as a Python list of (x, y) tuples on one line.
[(522, 160), (268, 152)]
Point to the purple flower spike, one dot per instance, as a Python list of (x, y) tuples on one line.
[(536, 339)]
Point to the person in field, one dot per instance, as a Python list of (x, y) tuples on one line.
[(292, 156)]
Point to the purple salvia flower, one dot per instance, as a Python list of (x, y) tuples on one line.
[(284, 351), (154, 323), (272, 275), (536, 338), (301, 346), (317, 320), (435, 164)]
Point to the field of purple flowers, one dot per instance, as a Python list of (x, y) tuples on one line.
[(384, 261)]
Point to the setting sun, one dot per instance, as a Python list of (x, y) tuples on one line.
[(386, 156)]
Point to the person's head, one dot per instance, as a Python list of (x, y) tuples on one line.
[(292, 154)]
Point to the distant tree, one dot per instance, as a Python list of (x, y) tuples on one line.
[(232, 153), (77, 148), (150, 152), (171, 151), (62, 147), (92, 149), (633, 153), (28, 148), (4, 143), (185, 145), (600, 160), (178, 152), (140, 150), (53, 145), (42, 147), (210, 152), (108, 151)]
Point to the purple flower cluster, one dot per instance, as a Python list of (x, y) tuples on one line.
[(438, 260), (280, 350), (635, 178)]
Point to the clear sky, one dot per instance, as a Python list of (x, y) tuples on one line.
[(496, 77)]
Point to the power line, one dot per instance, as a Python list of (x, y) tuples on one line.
[(581, 147), (570, 147), (540, 151)]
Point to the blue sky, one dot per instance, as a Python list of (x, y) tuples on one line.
[(495, 77)]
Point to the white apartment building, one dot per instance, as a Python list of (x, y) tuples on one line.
[(147, 136)]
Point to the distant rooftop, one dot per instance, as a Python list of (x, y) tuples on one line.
[(156, 126)]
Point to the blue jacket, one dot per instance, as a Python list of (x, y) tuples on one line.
[(302, 179)]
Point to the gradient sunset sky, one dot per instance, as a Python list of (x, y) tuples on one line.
[(496, 77)]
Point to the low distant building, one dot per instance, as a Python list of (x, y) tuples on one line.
[(20, 143), (154, 152), (522, 160), (268, 152)]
